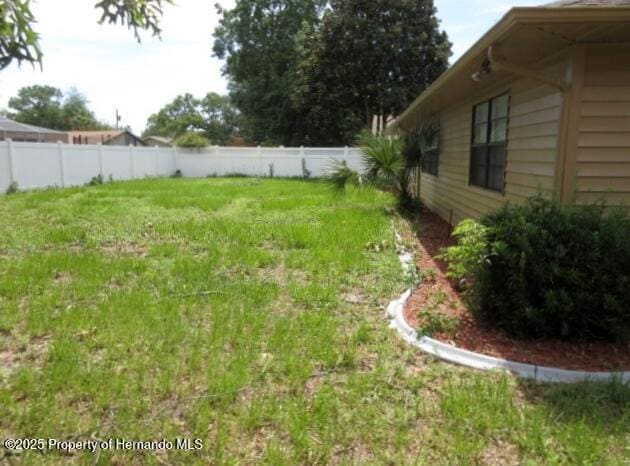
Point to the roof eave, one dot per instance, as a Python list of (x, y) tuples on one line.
[(517, 15)]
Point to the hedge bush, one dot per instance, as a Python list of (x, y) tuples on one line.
[(550, 271)]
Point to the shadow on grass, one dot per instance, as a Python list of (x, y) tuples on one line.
[(605, 405)]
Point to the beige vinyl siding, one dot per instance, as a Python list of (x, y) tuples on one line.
[(603, 153), (531, 153)]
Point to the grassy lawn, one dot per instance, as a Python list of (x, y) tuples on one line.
[(249, 313)]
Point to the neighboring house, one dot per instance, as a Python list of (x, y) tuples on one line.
[(238, 141), (112, 137), (158, 141), (21, 132), (541, 103)]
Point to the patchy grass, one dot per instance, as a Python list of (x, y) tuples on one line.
[(249, 313)]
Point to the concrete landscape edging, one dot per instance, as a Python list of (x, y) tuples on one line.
[(446, 352)]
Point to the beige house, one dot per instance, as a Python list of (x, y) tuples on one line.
[(541, 103), (158, 141), (112, 137)]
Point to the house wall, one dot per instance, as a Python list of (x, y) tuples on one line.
[(603, 150), (534, 125), (124, 139)]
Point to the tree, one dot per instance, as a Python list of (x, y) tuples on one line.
[(213, 117), (47, 106), (191, 140), (221, 119), (366, 58), (257, 38), (38, 105), (176, 118), (76, 115), (19, 41)]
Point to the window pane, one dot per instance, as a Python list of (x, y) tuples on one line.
[(495, 178), (430, 162), (478, 164), (497, 155), (498, 131), (500, 107), (481, 134), (481, 113)]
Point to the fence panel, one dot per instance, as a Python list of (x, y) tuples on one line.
[(5, 167), (81, 164), (39, 165), (145, 161), (36, 165), (117, 162)]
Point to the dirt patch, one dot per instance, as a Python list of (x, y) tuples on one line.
[(123, 248), (62, 278), (472, 334), (353, 297), (499, 453), (15, 354)]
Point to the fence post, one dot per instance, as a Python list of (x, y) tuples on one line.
[(259, 154), (133, 162), (61, 165), (157, 161), (176, 156), (100, 159), (11, 162)]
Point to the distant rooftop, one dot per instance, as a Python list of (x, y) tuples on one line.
[(587, 3), (8, 125), (158, 138)]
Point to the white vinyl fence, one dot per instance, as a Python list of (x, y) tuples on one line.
[(36, 165)]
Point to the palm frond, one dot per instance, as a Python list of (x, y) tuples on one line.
[(382, 159), (339, 175)]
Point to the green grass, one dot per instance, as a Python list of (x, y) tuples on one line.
[(249, 313)]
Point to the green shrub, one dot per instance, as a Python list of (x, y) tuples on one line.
[(469, 253), (551, 271), (191, 140), (96, 180)]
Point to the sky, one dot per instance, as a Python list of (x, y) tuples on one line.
[(115, 72)]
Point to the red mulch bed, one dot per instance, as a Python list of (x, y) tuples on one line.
[(475, 335)]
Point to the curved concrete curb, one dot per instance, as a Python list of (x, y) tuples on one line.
[(480, 361)]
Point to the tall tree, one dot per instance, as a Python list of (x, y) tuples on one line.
[(38, 105), (366, 58), (20, 42), (213, 117), (258, 40), (47, 106)]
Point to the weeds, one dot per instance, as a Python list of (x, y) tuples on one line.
[(13, 188)]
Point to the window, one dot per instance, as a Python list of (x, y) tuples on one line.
[(489, 135), (430, 150)]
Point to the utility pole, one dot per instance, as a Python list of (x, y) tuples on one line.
[(118, 118)]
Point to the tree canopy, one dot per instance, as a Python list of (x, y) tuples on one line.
[(48, 107), (257, 40), (316, 72), (212, 116), (366, 58), (20, 42)]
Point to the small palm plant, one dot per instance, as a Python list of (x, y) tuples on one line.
[(387, 165)]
